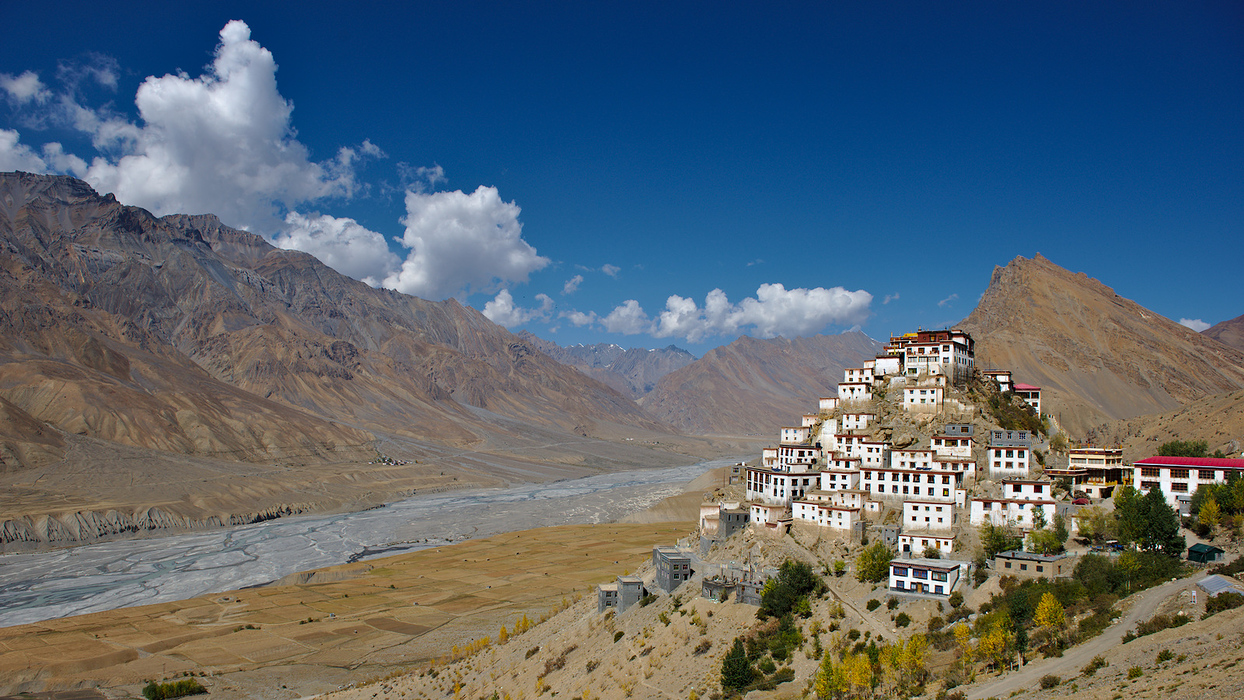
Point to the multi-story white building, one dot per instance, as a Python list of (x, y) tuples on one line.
[(939, 577), (887, 366), (857, 374), (1030, 394), (947, 352), (796, 434), (1093, 470), (840, 479), (810, 419), (1009, 452), (901, 484), (1179, 477), (1025, 490), (825, 514), (855, 391), (797, 457), (952, 445), (767, 514), (857, 421), (920, 541), (828, 404), (1001, 376), (923, 399), (779, 487), (928, 515), (1014, 511)]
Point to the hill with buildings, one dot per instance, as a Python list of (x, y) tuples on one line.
[(1096, 355), (753, 386), (632, 371)]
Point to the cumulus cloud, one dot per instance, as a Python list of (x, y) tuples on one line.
[(757, 261), (628, 318), (572, 284), (342, 244), (774, 311), (221, 143), (1195, 324), (579, 318), (504, 312), (422, 178), (25, 88), (948, 300), (462, 243), (889, 298), (611, 270), (15, 155)]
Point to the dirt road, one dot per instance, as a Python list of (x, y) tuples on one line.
[(1141, 607)]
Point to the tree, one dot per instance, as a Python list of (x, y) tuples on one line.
[(995, 644), (932, 552), (874, 563), (1061, 533), (1096, 524), (1038, 517), (1160, 528), (1050, 613), (831, 680), (1129, 514), (1180, 448), (996, 539), (963, 644), (1210, 515), (859, 673), (736, 670)]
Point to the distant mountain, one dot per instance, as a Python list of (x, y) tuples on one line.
[(184, 335), (632, 371), (1097, 355), (754, 386), (1228, 332)]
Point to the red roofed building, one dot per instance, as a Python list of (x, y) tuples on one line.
[(1030, 394), (1179, 477)]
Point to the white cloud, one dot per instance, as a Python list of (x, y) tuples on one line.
[(342, 244), (25, 88), (580, 319), (774, 311), (611, 270), (948, 300), (502, 310), (628, 319), (757, 261), (18, 156), (889, 298), (462, 243), (572, 284), (1195, 324), (220, 143), (422, 178)]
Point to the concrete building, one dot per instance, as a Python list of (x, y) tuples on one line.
[(950, 352), (855, 391), (1000, 376), (1179, 477), (928, 515), (620, 595), (916, 542), (1030, 394), (1009, 511), (857, 421), (1009, 453), (923, 399), (1031, 565), (935, 577), (673, 567), (952, 445), (779, 486)]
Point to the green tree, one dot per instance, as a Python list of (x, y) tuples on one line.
[(1038, 517), (996, 539), (1129, 514), (874, 563), (1096, 524), (736, 670), (1160, 528), (831, 681), (1060, 530), (1180, 448)]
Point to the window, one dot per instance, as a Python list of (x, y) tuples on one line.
[(939, 575), (1040, 568), (1206, 474), (1179, 473), (1008, 565), (1151, 472), (1023, 567), (1144, 485), (900, 571), (1179, 486), (919, 573)]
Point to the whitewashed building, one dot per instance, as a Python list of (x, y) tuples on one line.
[(952, 445), (1179, 477), (938, 577), (857, 421), (858, 375), (923, 399), (826, 514), (828, 404), (855, 391), (928, 515), (1030, 394), (840, 479), (1000, 376), (1009, 453), (796, 434), (779, 487), (918, 542), (1012, 511)]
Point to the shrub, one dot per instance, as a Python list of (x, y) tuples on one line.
[(891, 604), (1050, 681), (1165, 655), (647, 600), (767, 666), (532, 652), (1135, 672), (703, 646), (1156, 624), (853, 634), (1221, 602), (1096, 663), (176, 689), (618, 635), (902, 620), (873, 605), (956, 599)]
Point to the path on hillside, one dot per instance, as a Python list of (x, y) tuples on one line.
[(1143, 605)]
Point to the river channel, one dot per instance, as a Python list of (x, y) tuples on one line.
[(124, 573)]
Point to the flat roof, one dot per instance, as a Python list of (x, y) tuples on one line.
[(938, 564), (1217, 462), (1031, 556)]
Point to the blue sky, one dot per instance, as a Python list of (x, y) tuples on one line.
[(682, 173)]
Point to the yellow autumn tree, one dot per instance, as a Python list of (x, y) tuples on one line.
[(995, 644), (913, 658), (858, 669), (1050, 613), (831, 681), (963, 643)]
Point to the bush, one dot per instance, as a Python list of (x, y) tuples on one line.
[(176, 689), (956, 599), (1050, 681), (873, 605), (936, 623), (1164, 656), (767, 666), (891, 604), (618, 635), (1223, 601), (647, 600), (853, 635), (902, 620), (1135, 672), (1156, 624), (1096, 663)]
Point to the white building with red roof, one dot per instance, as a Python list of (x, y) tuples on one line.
[(1179, 477), (1030, 394)]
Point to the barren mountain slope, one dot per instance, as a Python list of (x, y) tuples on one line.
[(1218, 420), (1097, 355), (752, 386), (632, 371), (1228, 332)]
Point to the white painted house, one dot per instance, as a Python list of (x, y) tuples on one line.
[(952, 445), (796, 434), (923, 399), (918, 542), (855, 391), (858, 375), (828, 404), (938, 577), (1179, 477), (1004, 511), (857, 421), (1030, 394), (928, 515)]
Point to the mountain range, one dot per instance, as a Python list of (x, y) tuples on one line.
[(632, 371)]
